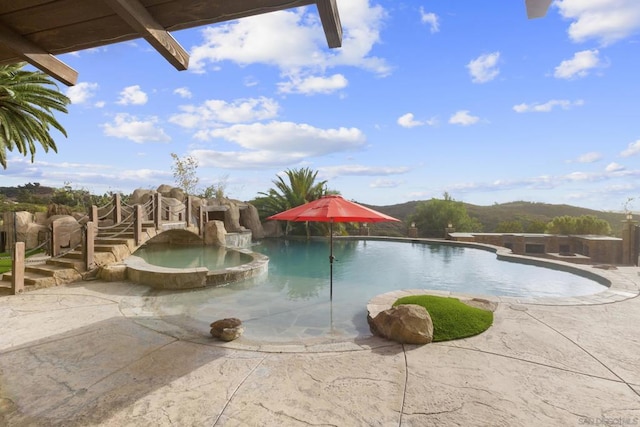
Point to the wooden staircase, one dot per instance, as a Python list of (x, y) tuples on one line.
[(111, 245)]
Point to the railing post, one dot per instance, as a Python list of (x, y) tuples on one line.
[(17, 269), (93, 214), (157, 209), (137, 224), (201, 215), (55, 246), (117, 208), (89, 245), (188, 211)]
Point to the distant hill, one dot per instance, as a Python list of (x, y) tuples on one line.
[(491, 216), (33, 190)]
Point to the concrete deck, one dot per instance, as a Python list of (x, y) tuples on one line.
[(83, 355)]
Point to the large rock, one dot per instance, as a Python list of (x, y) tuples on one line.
[(406, 324), (165, 189), (178, 194), (140, 196), (68, 231), (251, 220), (214, 233)]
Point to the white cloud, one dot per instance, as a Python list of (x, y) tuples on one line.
[(605, 20), (129, 127), (277, 144), (614, 167), (408, 121), (330, 172), (484, 68), (590, 157), (431, 19), (82, 92), (294, 41), (313, 84), (132, 95), (463, 118), (216, 112), (578, 66), (547, 106), (183, 92), (632, 149), (386, 183)]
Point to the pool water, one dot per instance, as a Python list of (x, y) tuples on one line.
[(291, 302), (176, 256)]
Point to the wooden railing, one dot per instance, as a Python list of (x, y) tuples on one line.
[(121, 218)]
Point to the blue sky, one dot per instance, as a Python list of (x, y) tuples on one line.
[(424, 97)]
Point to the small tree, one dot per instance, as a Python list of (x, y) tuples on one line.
[(216, 191), (185, 173), (433, 216)]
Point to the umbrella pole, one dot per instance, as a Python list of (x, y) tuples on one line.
[(331, 261)]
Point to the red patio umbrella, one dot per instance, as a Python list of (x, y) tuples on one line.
[(332, 209)]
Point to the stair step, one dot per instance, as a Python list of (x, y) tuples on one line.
[(125, 235), (35, 280), (112, 241), (68, 263), (50, 270), (104, 248)]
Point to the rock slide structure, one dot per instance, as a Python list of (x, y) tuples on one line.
[(226, 222)]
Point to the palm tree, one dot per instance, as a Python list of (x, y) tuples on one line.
[(27, 104), (302, 188)]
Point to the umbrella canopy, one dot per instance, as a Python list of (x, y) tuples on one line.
[(332, 209)]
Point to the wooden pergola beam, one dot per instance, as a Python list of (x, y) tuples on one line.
[(537, 8), (330, 18), (137, 16), (38, 57)]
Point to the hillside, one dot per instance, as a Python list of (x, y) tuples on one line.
[(491, 216)]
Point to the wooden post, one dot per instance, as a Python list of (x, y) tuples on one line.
[(55, 238), (201, 221), (188, 211), (629, 256), (137, 224), (157, 210), (89, 245), (117, 208), (93, 214), (17, 269)]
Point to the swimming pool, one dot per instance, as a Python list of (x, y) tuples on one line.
[(291, 302)]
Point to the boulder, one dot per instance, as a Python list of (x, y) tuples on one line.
[(251, 220), (406, 324), (272, 229), (178, 194), (140, 196), (164, 189), (68, 231), (214, 233), (227, 329)]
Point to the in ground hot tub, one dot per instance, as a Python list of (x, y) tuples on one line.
[(166, 266)]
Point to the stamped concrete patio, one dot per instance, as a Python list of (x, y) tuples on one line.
[(86, 355)]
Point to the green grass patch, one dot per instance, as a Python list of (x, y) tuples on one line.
[(451, 318), (5, 259)]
